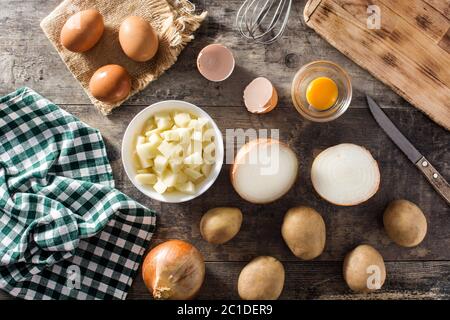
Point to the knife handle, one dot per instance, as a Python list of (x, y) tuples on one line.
[(435, 178)]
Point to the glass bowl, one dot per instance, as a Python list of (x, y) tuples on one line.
[(312, 71)]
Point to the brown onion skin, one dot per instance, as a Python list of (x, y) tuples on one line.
[(171, 256)]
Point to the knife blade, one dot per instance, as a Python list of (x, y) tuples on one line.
[(432, 175)]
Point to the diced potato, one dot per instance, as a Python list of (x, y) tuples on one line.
[(194, 146), (166, 148), (172, 152), (182, 178), (146, 151), (198, 124), (169, 178), (146, 178), (194, 175), (176, 165), (147, 170), (160, 187), (171, 135), (197, 135), (209, 153), (163, 121), (206, 169), (182, 119), (208, 135), (149, 125), (185, 135), (154, 140), (151, 132), (141, 140), (160, 163), (202, 122), (188, 187), (195, 158)]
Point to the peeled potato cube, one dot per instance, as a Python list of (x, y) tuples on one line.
[(194, 146), (185, 135), (166, 149), (176, 165), (182, 178), (145, 151), (195, 158), (182, 119), (194, 175), (154, 140), (140, 140), (206, 169), (146, 178), (160, 163), (171, 135), (209, 153), (197, 135), (160, 187), (188, 187), (151, 132), (163, 121), (208, 135), (169, 178), (202, 122)]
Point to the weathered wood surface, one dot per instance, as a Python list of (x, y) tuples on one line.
[(421, 272)]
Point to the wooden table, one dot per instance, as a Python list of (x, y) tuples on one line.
[(27, 58)]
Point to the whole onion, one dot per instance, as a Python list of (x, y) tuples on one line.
[(174, 270)]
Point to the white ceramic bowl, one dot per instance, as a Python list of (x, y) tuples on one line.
[(135, 127)]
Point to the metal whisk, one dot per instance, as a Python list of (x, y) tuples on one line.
[(263, 21)]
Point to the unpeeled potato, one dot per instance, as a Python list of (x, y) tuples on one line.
[(303, 230), (261, 279), (364, 269), (405, 223), (220, 225)]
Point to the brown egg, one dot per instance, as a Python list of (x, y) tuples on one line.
[(82, 30), (110, 83), (138, 39)]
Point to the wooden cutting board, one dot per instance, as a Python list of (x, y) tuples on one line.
[(410, 52)]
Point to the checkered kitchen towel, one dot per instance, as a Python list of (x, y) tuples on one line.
[(65, 232)]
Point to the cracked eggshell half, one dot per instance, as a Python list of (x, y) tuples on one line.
[(260, 96), (264, 170), (215, 62)]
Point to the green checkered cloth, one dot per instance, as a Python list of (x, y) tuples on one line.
[(65, 232)]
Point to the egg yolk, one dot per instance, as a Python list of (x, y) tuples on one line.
[(322, 93)]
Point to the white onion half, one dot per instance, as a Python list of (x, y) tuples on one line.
[(264, 170), (345, 174)]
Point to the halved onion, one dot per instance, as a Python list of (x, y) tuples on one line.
[(264, 170), (345, 174)]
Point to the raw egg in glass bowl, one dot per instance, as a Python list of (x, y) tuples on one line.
[(321, 91)]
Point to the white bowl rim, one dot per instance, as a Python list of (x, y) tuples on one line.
[(176, 197)]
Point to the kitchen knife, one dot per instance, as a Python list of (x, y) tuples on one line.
[(433, 176)]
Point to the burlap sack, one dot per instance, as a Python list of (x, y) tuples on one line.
[(174, 20)]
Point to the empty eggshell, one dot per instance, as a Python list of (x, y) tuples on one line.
[(138, 39), (260, 96), (110, 83), (82, 30), (215, 62)]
